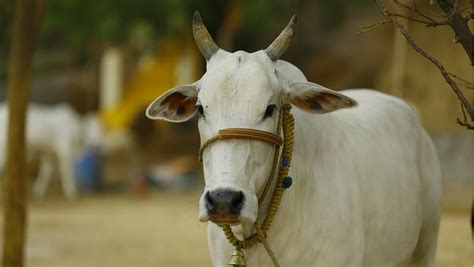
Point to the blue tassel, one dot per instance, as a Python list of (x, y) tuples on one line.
[(285, 162), (287, 181)]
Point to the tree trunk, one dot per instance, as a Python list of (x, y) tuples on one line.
[(28, 15)]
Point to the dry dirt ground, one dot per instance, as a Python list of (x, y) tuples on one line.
[(160, 230)]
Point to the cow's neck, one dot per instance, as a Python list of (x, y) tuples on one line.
[(266, 198), (304, 186), (302, 192)]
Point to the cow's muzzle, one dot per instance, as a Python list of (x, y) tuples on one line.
[(224, 206)]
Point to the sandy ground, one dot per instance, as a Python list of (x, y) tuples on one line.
[(161, 230)]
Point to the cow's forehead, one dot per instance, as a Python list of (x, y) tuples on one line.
[(238, 76)]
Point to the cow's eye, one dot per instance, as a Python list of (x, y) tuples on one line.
[(269, 111), (200, 110)]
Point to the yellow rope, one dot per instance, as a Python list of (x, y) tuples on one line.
[(288, 135), (267, 246), (206, 144)]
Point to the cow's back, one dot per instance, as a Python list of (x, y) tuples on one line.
[(53, 128)]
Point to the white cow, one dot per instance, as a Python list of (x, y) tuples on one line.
[(57, 134), (367, 182)]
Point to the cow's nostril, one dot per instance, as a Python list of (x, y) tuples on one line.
[(224, 202), (237, 202), (210, 204)]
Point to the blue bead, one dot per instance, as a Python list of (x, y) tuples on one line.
[(287, 181), (285, 161)]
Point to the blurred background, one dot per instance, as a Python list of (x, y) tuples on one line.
[(125, 192)]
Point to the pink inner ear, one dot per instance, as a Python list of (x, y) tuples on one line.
[(174, 100), (189, 104), (179, 103), (315, 102), (322, 102)]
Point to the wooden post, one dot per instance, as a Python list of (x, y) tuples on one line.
[(111, 70), (28, 16)]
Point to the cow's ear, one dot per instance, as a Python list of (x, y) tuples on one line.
[(176, 105), (315, 98)]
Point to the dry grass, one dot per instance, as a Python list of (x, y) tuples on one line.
[(159, 231), (118, 232)]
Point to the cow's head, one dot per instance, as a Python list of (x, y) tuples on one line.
[(239, 90)]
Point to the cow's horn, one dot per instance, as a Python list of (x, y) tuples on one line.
[(281, 43), (203, 39)]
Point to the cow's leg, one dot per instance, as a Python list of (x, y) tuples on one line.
[(220, 249), (45, 173), (425, 251), (65, 161)]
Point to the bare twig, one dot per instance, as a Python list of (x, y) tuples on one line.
[(466, 106), (464, 121), (469, 17), (372, 27), (469, 85), (455, 4), (432, 14), (415, 9), (468, 9), (453, 17), (431, 23)]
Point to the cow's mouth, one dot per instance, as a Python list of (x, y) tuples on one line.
[(224, 219)]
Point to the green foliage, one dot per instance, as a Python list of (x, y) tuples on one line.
[(82, 25), (333, 12), (6, 13), (115, 21), (265, 14), (264, 19)]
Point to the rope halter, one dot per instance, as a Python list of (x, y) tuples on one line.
[(283, 181)]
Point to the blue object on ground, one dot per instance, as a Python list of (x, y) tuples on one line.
[(87, 170)]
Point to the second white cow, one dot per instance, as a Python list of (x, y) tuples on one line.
[(57, 134)]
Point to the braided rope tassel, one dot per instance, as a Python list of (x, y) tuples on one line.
[(288, 134)]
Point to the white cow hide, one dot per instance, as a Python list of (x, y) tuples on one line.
[(366, 178)]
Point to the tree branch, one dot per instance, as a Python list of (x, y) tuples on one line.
[(469, 85), (459, 25), (415, 9), (464, 121), (372, 27), (465, 105), (431, 23)]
